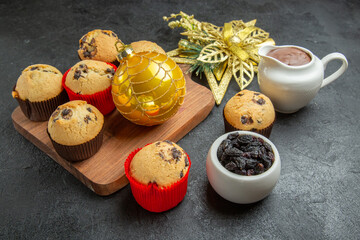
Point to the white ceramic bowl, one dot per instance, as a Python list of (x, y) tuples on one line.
[(238, 188)]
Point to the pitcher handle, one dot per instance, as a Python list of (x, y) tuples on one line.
[(333, 56)]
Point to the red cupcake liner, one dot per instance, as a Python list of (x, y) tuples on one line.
[(153, 198), (101, 100)]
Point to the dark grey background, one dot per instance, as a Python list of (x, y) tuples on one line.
[(317, 196)]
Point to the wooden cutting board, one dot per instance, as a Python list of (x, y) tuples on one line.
[(104, 172)]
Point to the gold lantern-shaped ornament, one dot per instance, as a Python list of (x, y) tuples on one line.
[(148, 88)]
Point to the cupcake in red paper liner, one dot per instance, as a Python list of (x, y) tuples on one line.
[(90, 80), (38, 91), (158, 175)]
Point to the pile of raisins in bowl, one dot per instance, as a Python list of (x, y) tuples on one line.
[(245, 154)]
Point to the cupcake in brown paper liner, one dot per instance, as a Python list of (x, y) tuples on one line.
[(76, 130), (249, 111), (39, 91)]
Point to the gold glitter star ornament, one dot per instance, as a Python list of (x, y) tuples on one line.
[(220, 52)]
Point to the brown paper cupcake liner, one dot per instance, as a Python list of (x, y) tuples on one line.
[(79, 152), (265, 131), (41, 111)]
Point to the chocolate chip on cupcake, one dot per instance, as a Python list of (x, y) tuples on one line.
[(99, 45), (76, 130), (39, 91), (250, 111)]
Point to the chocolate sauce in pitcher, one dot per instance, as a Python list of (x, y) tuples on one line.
[(290, 56)]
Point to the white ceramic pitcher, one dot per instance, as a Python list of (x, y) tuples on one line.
[(292, 87)]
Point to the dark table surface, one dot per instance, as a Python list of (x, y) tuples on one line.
[(317, 196)]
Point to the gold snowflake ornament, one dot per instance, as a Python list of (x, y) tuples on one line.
[(220, 52)]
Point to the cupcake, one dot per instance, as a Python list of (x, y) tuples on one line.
[(158, 175), (90, 80), (249, 111), (38, 91), (76, 130), (146, 46), (99, 45)]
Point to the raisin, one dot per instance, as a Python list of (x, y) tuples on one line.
[(256, 94), (66, 113), (232, 152), (240, 94), (251, 163), (83, 39), (81, 66), (267, 163), (240, 162), (181, 174), (232, 136), (267, 146), (231, 166), (224, 158), (219, 152), (255, 153), (246, 155), (34, 68), (250, 172), (238, 171), (245, 139), (89, 109), (106, 33), (259, 168), (271, 156), (225, 144)]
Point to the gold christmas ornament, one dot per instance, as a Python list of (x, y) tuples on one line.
[(148, 88), (220, 52)]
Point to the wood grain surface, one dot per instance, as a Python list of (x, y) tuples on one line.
[(104, 172)]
